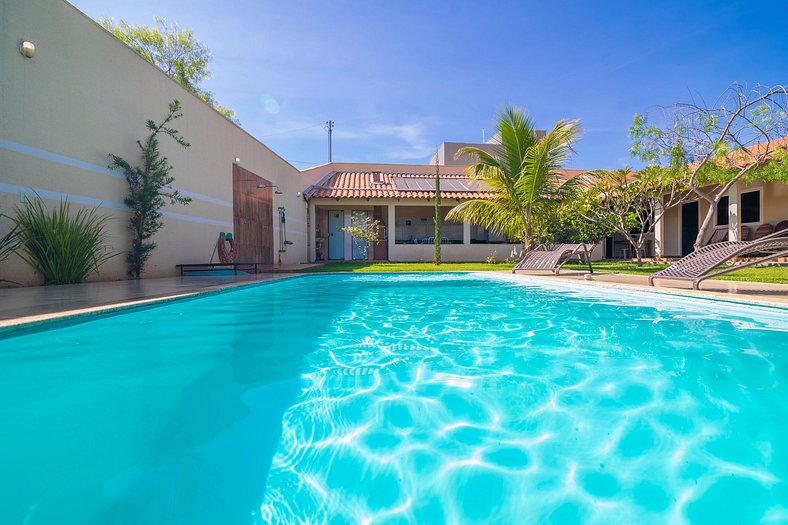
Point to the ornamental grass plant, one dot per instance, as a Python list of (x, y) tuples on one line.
[(62, 246)]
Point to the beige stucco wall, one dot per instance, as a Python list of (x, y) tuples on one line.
[(84, 95), (774, 209), (774, 201)]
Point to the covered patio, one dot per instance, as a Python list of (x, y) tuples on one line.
[(404, 205)]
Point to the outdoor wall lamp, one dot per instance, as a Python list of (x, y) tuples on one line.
[(263, 186), (236, 160), (28, 49)]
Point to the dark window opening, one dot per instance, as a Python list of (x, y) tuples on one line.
[(722, 212), (751, 206)]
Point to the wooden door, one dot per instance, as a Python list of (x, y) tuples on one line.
[(253, 217)]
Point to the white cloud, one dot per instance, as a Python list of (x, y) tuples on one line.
[(406, 141), (409, 140)]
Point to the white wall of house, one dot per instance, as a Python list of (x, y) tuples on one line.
[(400, 252), (84, 95), (773, 209)]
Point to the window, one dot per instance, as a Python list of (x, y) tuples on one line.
[(480, 235), (751, 206), (416, 225), (722, 212)]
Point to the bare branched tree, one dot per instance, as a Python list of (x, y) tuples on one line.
[(716, 146)]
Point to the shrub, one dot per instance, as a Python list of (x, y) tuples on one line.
[(150, 187), (63, 247), (8, 242)]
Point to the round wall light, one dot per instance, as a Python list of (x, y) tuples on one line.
[(236, 160), (28, 49)]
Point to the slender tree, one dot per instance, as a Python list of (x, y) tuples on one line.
[(175, 51), (364, 231), (438, 218), (716, 146), (150, 187), (629, 203), (523, 174)]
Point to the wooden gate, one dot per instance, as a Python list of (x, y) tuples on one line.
[(253, 217)]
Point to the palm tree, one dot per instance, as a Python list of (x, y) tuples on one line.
[(522, 174)]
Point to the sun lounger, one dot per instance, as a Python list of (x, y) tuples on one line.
[(553, 259), (700, 264)]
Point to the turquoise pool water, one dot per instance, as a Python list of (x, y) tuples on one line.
[(446, 398)]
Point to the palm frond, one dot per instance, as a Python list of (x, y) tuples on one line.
[(522, 173), (496, 215)]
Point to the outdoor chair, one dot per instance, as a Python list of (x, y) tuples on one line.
[(700, 264), (746, 233), (554, 259), (718, 236), (764, 230)]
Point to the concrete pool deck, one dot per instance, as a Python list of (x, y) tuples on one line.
[(767, 294), (35, 304)]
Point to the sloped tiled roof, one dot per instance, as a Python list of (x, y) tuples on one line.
[(359, 185)]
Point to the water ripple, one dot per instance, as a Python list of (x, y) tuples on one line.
[(457, 399)]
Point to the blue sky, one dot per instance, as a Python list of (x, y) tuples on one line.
[(400, 77)]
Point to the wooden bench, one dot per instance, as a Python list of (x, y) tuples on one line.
[(233, 265)]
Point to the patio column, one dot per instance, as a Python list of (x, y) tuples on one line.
[(347, 236), (311, 231), (391, 230), (659, 231), (466, 232), (734, 233)]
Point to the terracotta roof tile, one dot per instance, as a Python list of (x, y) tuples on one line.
[(359, 185)]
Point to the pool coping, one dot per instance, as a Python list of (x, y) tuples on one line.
[(742, 299), (33, 322)]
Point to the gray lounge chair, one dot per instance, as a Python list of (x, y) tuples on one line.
[(700, 264), (553, 259)]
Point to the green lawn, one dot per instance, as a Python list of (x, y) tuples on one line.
[(360, 267), (769, 274), (766, 274)]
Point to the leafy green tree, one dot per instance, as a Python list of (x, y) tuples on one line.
[(438, 215), (150, 187), (741, 137), (175, 51), (522, 174), (572, 224), (363, 230), (629, 203)]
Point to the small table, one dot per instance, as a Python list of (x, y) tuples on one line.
[(233, 265)]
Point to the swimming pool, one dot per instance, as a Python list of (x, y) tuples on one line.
[(442, 398)]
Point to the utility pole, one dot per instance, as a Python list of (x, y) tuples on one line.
[(329, 128)]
